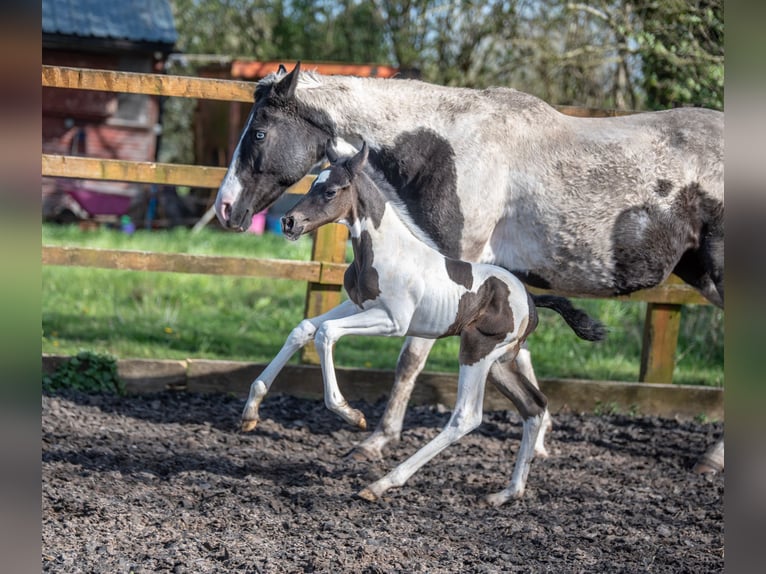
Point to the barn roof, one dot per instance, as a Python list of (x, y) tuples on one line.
[(135, 21)]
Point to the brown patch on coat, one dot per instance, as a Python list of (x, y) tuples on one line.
[(361, 279), (461, 272), (483, 320)]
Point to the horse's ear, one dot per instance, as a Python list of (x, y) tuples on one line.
[(356, 163), (331, 152), (282, 69), (286, 86)]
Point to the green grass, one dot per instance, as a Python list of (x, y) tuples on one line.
[(171, 315)]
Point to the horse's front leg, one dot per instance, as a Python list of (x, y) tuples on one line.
[(299, 337), (411, 361), (375, 321)]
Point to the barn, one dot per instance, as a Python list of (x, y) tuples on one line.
[(131, 36)]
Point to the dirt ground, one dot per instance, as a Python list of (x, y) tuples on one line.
[(165, 483)]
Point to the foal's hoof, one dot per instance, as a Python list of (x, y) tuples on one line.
[(367, 494), (247, 426), (362, 424), (362, 454)]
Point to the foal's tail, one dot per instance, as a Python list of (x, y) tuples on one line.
[(584, 326)]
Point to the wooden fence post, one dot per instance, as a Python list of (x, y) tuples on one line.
[(329, 247), (661, 327)]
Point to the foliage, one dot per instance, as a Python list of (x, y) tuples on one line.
[(600, 53), (88, 372), (682, 53)]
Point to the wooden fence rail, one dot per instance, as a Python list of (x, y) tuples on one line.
[(324, 273)]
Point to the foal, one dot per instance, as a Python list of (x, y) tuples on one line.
[(399, 285)]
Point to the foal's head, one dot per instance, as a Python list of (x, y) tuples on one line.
[(333, 197)]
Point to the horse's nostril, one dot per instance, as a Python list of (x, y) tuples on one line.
[(227, 212), (288, 223)]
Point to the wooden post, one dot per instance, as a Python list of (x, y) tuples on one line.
[(329, 247), (661, 327)]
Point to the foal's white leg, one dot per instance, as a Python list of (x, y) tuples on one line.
[(465, 418), (412, 359), (524, 366), (532, 427), (375, 321), (299, 337)]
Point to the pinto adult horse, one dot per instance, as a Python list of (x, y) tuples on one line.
[(598, 206)]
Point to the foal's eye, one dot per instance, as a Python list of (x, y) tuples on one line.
[(259, 135), (330, 193)]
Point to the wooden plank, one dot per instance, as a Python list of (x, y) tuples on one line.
[(658, 350), (180, 263), (672, 291), (137, 171), (370, 385), (152, 84), (329, 247)]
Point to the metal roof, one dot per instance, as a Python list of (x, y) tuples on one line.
[(148, 21)]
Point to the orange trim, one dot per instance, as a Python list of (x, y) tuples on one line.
[(254, 70)]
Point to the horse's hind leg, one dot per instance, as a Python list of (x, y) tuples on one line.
[(411, 361), (522, 367), (712, 461), (532, 405)]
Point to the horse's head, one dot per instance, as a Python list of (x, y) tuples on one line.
[(280, 142), (332, 197)]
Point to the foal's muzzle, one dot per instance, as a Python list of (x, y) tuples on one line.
[(289, 229)]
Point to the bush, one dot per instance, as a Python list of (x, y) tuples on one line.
[(86, 372)]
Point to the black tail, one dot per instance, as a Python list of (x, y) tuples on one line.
[(584, 326)]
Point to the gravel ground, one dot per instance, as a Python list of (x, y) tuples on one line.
[(165, 483)]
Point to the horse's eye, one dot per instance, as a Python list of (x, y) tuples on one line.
[(330, 193), (259, 135)]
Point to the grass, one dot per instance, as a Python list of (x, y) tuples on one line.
[(169, 315)]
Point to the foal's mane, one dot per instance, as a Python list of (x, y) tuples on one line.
[(377, 183)]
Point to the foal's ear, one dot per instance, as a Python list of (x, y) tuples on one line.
[(356, 163), (286, 86), (331, 152)]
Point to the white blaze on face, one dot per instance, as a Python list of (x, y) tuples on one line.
[(322, 177), (231, 186)]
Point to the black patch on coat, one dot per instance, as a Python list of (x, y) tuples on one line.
[(361, 279), (649, 241), (703, 268), (461, 272), (483, 320), (532, 279), (421, 168), (663, 187)]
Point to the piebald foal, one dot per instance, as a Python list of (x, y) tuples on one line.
[(399, 285)]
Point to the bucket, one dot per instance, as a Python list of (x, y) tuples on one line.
[(258, 224)]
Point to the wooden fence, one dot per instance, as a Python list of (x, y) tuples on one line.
[(324, 273)]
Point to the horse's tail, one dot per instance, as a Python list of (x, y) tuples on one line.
[(584, 326)]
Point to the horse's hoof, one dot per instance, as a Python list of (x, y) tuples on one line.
[(367, 494), (497, 499), (541, 453), (248, 425), (362, 424), (706, 466)]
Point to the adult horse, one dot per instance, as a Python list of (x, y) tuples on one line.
[(598, 206)]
